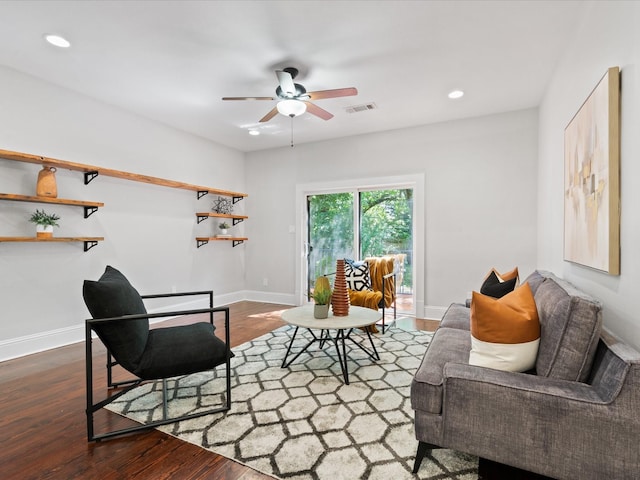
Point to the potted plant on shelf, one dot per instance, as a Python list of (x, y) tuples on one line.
[(224, 227), (44, 223), (322, 297)]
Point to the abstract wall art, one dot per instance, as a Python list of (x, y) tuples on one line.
[(592, 179)]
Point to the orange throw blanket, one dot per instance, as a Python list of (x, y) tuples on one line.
[(366, 299), (378, 268)]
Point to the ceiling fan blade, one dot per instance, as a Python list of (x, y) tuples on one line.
[(272, 113), (286, 82), (248, 98), (317, 111), (337, 92)]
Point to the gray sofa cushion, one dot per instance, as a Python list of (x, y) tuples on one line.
[(448, 345), (535, 280), (456, 316), (570, 324)]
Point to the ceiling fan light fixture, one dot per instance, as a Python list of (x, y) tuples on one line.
[(291, 108), (455, 94)]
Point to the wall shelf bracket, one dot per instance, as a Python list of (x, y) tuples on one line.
[(237, 220), (201, 242), (89, 176), (237, 199), (202, 218), (89, 244), (88, 211), (237, 242), (202, 193)]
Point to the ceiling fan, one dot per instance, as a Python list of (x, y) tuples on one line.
[(293, 98)]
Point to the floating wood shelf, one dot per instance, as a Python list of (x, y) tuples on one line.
[(200, 241), (89, 242), (236, 218), (92, 171), (89, 207)]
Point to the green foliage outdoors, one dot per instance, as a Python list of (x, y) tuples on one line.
[(385, 227), (386, 222)]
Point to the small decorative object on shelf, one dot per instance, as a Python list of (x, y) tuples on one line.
[(224, 228), (322, 297), (340, 297), (44, 223), (46, 186), (222, 205)]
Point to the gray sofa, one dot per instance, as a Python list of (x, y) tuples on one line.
[(577, 416)]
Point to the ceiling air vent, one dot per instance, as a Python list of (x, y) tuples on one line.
[(361, 108)]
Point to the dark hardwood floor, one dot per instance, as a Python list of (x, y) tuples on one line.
[(43, 427)]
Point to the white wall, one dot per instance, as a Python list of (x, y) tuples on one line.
[(480, 198), (609, 36), (149, 230)]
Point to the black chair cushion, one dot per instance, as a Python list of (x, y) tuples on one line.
[(113, 296), (181, 350)]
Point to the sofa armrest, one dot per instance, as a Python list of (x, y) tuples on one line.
[(518, 419), (521, 382)]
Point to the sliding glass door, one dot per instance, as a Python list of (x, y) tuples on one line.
[(359, 224)]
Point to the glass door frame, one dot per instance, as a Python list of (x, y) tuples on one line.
[(413, 181)]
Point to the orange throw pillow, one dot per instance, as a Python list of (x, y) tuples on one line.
[(505, 332)]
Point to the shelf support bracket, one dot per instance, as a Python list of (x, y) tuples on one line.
[(88, 211), (237, 242), (89, 244), (202, 218), (201, 193), (237, 199), (237, 220), (201, 242), (89, 176)]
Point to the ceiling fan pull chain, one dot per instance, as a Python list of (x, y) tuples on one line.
[(292, 130)]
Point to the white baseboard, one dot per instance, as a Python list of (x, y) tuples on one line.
[(39, 342), (432, 312), (269, 297)]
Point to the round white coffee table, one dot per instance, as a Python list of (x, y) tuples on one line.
[(343, 327)]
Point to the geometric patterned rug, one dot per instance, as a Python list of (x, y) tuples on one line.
[(303, 422)]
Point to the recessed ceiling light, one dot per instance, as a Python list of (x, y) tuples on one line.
[(456, 94), (254, 132), (57, 40)]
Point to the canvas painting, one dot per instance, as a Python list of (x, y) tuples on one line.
[(592, 179)]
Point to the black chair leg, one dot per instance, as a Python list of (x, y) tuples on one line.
[(423, 449), (164, 398)]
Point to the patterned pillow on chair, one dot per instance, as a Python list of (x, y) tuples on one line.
[(357, 274)]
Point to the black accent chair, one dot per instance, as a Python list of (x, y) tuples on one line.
[(121, 322)]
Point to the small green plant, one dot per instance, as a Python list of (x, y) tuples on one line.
[(223, 226), (40, 217), (322, 291), (322, 297)]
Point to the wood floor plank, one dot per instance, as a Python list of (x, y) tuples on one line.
[(43, 426)]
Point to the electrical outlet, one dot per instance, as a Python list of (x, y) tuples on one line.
[(173, 289), (265, 282)]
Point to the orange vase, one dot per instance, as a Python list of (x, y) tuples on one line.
[(340, 297), (46, 186)]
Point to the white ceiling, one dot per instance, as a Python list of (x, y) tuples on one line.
[(172, 61)]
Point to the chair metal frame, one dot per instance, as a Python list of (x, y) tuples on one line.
[(128, 385)]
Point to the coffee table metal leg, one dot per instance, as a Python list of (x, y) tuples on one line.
[(373, 353), (342, 357), (285, 364)]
